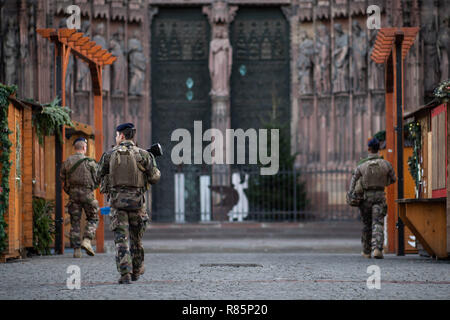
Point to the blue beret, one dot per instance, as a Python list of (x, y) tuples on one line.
[(374, 143), (80, 139), (124, 126)]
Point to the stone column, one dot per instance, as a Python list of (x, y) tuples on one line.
[(220, 16), (292, 15)]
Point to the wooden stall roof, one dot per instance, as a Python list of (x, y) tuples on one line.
[(19, 103), (81, 45), (421, 110), (385, 41)]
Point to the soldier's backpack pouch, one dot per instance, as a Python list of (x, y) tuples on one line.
[(128, 200)]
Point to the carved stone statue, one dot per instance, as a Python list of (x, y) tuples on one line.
[(305, 63), (137, 65), (340, 54), (83, 73), (10, 53), (119, 68), (220, 59), (100, 40), (431, 61), (321, 67), (359, 53), (376, 71), (444, 50)]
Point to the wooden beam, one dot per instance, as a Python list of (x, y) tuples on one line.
[(99, 53), (82, 41), (65, 33), (88, 45), (94, 49), (46, 33), (74, 37)]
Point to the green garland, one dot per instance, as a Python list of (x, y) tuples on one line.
[(49, 121), (442, 91), (413, 161), (43, 225), (5, 143)]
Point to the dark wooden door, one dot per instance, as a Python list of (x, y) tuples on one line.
[(260, 82), (180, 96)]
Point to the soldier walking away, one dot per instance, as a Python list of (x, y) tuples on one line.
[(79, 177), (367, 185), (125, 173)]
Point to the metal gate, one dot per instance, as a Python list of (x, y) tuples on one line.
[(302, 194), (180, 92)]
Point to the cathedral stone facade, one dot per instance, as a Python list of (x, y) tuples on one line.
[(232, 64)]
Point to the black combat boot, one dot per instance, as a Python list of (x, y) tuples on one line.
[(125, 279), (137, 273)]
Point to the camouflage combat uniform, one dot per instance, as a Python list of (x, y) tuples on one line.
[(80, 181), (128, 215), (373, 207)]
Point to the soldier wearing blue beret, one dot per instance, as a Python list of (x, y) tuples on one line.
[(367, 185), (79, 177), (125, 173)]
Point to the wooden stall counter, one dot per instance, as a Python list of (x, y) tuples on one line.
[(427, 219)]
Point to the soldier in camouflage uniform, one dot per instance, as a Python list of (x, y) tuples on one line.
[(372, 175), (125, 173), (79, 176)]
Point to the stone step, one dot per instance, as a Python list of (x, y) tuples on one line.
[(225, 230)]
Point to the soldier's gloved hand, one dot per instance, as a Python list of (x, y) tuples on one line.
[(350, 197)]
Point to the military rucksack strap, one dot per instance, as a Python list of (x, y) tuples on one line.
[(77, 164), (368, 159)]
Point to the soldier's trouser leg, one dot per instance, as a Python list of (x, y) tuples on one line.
[(366, 236), (137, 229), (91, 209), (120, 226), (75, 212), (378, 213)]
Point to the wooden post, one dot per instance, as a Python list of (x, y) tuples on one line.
[(398, 92), (59, 201), (96, 76), (390, 147)]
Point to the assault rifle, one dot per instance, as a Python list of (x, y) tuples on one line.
[(156, 150)]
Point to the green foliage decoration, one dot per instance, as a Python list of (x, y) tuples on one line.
[(442, 91), (413, 161), (380, 135), (5, 163), (49, 121), (43, 225)]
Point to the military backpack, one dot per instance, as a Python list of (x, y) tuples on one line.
[(374, 175), (81, 175), (125, 168)]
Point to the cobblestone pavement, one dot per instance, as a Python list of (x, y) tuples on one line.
[(271, 273)]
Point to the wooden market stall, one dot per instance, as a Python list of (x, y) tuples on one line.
[(32, 172), (19, 213), (424, 212), (67, 42)]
